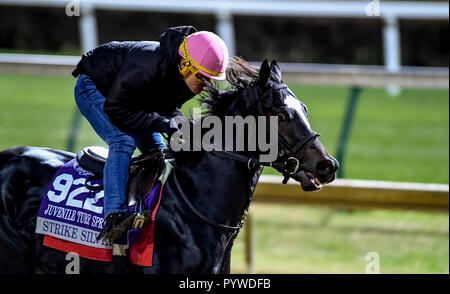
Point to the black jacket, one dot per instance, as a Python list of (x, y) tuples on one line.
[(140, 80)]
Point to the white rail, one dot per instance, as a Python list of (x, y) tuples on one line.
[(297, 73), (350, 193)]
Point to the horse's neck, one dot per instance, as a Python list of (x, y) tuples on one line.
[(219, 187)]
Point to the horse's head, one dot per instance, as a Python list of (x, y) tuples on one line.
[(303, 156), (261, 92)]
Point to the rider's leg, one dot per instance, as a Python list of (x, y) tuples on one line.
[(121, 146), (115, 173)]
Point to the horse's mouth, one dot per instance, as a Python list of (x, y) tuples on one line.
[(308, 181)]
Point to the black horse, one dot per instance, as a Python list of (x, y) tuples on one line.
[(204, 199)]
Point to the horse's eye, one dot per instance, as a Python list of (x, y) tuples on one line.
[(281, 116)]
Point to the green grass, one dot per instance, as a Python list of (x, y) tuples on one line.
[(401, 138), (298, 239), (39, 111)]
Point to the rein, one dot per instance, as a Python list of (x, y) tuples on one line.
[(201, 215)]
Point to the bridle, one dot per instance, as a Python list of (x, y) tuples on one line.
[(290, 165), (285, 162)]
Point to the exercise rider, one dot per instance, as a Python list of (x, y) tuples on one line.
[(130, 91)]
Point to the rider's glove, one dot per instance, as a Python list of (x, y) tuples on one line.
[(169, 126)]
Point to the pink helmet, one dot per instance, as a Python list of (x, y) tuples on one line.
[(207, 53)]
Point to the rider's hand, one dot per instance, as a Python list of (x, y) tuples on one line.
[(169, 126)]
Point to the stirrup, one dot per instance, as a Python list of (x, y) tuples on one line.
[(110, 223), (134, 221)]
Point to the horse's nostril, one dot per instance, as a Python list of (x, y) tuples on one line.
[(325, 167)]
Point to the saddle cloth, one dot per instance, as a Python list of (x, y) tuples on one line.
[(71, 217)]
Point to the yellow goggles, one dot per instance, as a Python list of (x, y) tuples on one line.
[(195, 72)]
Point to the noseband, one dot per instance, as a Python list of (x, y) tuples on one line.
[(286, 155)]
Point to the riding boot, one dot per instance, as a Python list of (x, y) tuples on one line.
[(120, 222), (113, 223)]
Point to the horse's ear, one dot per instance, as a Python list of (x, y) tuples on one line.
[(275, 69), (264, 73)]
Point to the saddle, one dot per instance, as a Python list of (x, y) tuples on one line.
[(144, 171)]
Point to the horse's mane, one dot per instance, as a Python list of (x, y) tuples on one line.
[(240, 75)]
